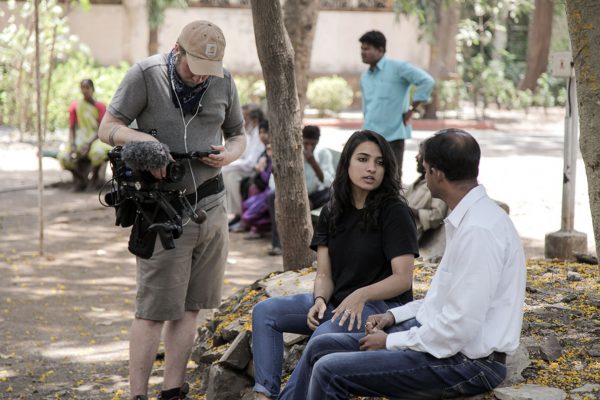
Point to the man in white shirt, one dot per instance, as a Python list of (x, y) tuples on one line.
[(243, 166), (454, 341)]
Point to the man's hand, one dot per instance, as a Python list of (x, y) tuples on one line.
[(407, 116), (373, 341), (316, 313), (379, 322), (218, 160)]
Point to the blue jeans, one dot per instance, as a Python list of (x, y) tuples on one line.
[(272, 317), (335, 368)]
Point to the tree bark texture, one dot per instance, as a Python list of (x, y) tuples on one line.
[(152, 41), (538, 43), (442, 55), (300, 19), (276, 57), (584, 31)]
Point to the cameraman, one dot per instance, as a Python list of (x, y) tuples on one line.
[(192, 102)]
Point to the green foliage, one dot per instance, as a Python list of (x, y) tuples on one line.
[(250, 89), (329, 93), (156, 10), (65, 85), (63, 64)]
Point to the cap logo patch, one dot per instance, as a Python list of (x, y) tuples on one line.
[(211, 50)]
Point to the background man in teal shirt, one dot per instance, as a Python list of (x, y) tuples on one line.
[(385, 93)]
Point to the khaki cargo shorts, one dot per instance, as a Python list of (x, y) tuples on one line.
[(188, 277)]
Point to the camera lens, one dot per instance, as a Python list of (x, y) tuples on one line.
[(175, 172)]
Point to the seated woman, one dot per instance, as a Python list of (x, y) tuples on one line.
[(366, 243)]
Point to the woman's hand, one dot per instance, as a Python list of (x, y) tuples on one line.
[(316, 313), (350, 310)]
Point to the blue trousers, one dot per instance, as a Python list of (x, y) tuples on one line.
[(272, 317), (334, 368)]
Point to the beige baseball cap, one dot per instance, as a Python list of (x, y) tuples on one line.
[(204, 45)]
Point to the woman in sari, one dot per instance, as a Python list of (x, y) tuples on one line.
[(84, 151)]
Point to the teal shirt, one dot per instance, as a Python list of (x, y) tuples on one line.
[(385, 96)]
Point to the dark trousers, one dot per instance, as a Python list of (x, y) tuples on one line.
[(398, 150)]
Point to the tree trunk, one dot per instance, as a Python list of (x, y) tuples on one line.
[(442, 58), (277, 61), (584, 30), (300, 18), (538, 43), (152, 41)]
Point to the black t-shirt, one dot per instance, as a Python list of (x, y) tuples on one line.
[(361, 257)]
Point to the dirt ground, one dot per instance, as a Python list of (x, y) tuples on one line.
[(65, 316)]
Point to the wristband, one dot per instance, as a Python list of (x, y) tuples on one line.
[(319, 297), (111, 136)]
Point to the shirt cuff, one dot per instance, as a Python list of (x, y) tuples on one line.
[(402, 313), (396, 341)]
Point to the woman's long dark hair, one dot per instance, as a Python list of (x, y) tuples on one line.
[(390, 187)]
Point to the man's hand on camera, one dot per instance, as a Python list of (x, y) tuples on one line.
[(217, 160)]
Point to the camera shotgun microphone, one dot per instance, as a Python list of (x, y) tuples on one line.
[(145, 156)]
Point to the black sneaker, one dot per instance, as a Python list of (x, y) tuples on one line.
[(183, 391)]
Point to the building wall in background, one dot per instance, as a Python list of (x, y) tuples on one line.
[(119, 32)]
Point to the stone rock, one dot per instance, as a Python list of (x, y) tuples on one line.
[(250, 369), (290, 339), (573, 276), (292, 357), (594, 350), (247, 394), (569, 297), (238, 354), (208, 357), (232, 330), (551, 348), (225, 384), (529, 392), (515, 364), (288, 283), (587, 388)]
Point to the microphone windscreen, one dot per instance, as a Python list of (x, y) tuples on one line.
[(144, 156)]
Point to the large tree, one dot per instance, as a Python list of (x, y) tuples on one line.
[(538, 43), (156, 17), (300, 19), (584, 30), (276, 57)]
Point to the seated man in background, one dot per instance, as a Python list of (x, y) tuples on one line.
[(427, 211), (319, 172), (244, 166)]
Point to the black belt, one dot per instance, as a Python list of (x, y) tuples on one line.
[(496, 356), (207, 188)]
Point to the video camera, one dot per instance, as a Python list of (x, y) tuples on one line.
[(139, 200)]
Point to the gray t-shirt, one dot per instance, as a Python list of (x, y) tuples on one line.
[(144, 95)]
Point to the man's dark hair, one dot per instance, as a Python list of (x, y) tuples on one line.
[(454, 152), (311, 132), (264, 124), (375, 39), (256, 114)]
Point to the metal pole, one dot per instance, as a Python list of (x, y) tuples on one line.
[(39, 124)]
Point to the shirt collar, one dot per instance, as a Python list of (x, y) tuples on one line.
[(465, 204), (379, 66)]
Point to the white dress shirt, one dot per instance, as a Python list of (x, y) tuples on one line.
[(475, 302), (254, 148)]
